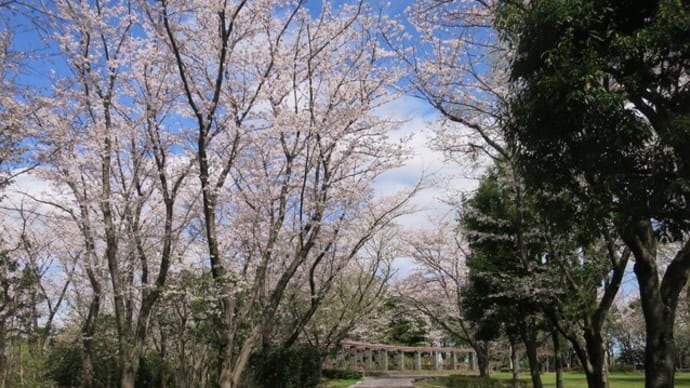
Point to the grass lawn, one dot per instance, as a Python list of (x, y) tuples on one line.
[(578, 380), (336, 383), (574, 380)]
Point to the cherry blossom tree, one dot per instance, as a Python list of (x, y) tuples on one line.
[(345, 297), (114, 168), (458, 65), (436, 289), (287, 147)]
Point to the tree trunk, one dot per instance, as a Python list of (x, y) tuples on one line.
[(129, 368), (660, 349), (88, 331), (132, 358), (515, 363), (557, 358), (481, 349), (529, 337), (659, 301), (595, 367), (162, 372), (3, 356)]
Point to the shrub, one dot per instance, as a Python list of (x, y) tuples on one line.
[(460, 381), (342, 374), (285, 368)]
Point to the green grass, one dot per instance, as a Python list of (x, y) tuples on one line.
[(438, 382), (578, 380), (337, 383), (572, 380)]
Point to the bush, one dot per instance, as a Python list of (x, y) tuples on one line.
[(65, 365), (460, 381), (285, 368), (342, 374)]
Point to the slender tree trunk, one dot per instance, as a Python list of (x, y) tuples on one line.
[(88, 332), (529, 337), (162, 372), (482, 350), (3, 356), (557, 357), (129, 368), (515, 362)]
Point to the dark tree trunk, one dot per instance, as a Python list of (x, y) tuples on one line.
[(529, 337), (659, 301), (162, 372), (515, 362), (3, 356), (88, 331), (597, 376), (557, 358), (482, 351)]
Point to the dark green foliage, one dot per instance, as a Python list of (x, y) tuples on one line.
[(460, 381), (66, 369), (342, 374), (152, 369), (603, 107), (285, 368), (310, 366), (623, 368), (600, 114), (64, 361), (406, 327), (497, 265)]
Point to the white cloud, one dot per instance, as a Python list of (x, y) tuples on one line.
[(444, 180)]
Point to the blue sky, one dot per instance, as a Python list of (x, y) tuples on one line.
[(444, 180)]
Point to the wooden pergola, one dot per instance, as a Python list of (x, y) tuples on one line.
[(373, 357)]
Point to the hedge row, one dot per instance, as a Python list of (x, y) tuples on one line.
[(284, 368), (460, 381)]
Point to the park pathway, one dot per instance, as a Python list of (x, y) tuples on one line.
[(385, 382)]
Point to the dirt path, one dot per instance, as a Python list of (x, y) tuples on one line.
[(385, 382)]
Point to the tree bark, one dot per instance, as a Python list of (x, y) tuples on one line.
[(3, 356), (595, 369), (659, 300), (515, 362), (482, 352), (557, 357), (529, 337), (88, 332)]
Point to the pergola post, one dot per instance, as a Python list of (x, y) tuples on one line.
[(368, 360), (370, 357), (340, 358), (353, 358)]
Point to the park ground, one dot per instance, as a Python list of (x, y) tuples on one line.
[(571, 380)]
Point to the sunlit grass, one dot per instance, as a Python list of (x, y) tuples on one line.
[(570, 380), (578, 380)]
